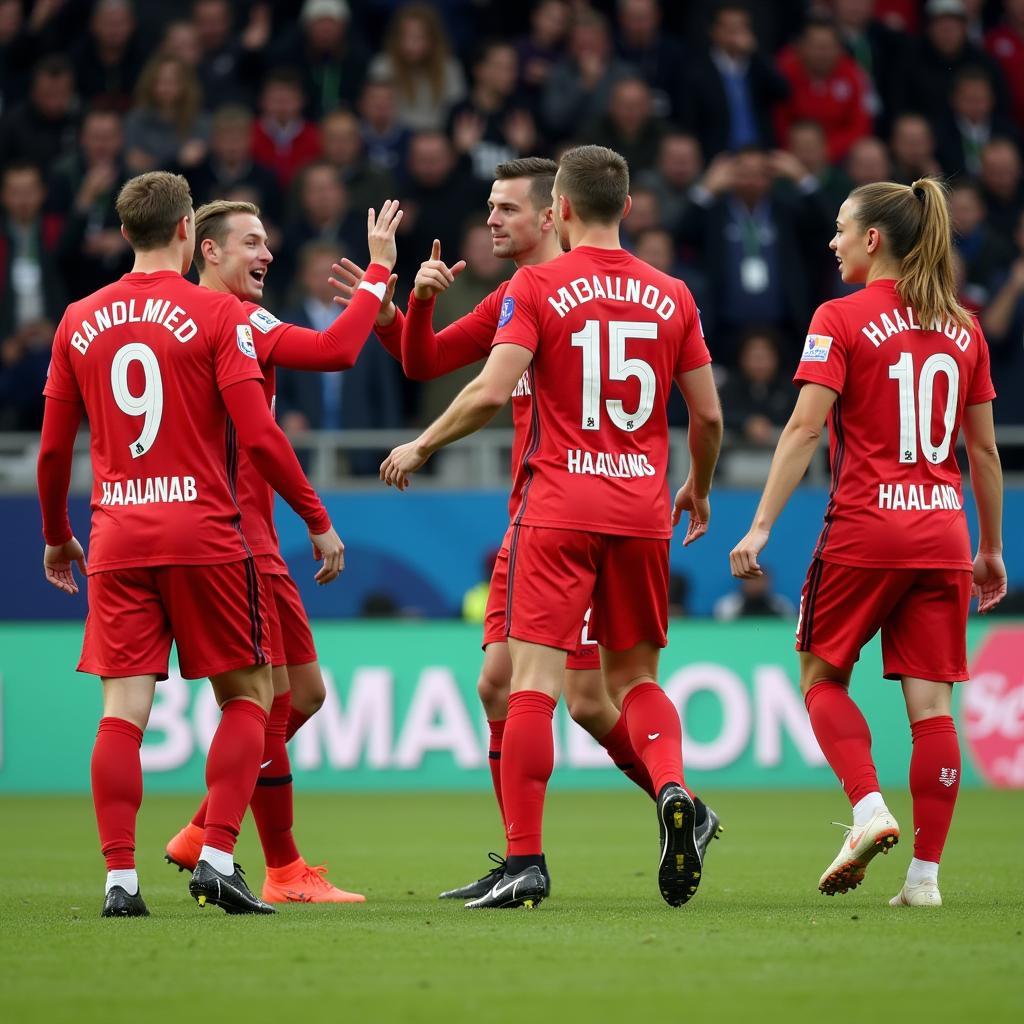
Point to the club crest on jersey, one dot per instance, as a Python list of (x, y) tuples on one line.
[(508, 308), (243, 334), (263, 321), (816, 349)]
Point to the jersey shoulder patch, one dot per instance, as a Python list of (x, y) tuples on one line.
[(243, 334), (508, 310), (816, 348), (263, 321)]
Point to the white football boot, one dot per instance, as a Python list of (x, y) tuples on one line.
[(861, 845), (922, 894)]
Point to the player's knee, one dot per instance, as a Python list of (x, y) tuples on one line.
[(587, 709), (493, 694), (308, 688)]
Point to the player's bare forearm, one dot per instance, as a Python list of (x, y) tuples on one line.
[(986, 475), (474, 407), (704, 437)]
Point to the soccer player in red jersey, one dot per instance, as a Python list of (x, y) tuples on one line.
[(158, 365), (522, 229), (233, 257), (897, 369), (594, 518)]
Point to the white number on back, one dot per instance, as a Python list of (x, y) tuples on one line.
[(150, 403), (916, 418), (588, 338)]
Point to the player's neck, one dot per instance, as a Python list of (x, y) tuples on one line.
[(883, 270), (213, 282), (153, 260), (548, 249), (597, 236)]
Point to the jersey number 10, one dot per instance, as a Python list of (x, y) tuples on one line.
[(619, 368), (919, 415)]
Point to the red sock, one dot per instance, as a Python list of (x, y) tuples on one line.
[(527, 758), (272, 806), (232, 766), (625, 758), (934, 783), (296, 720), (199, 818), (494, 759), (844, 737), (117, 789), (655, 733)]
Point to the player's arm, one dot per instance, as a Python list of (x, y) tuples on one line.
[(274, 459), (797, 445), (704, 439), (61, 420), (389, 320), (474, 407), (987, 484)]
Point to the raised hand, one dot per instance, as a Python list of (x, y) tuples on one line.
[(346, 281), (380, 233), (434, 275), (58, 562)]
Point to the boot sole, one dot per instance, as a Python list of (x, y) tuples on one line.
[(851, 874), (680, 868)]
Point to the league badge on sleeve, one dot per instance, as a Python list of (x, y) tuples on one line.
[(816, 348), (243, 334), (263, 321), (508, 309)]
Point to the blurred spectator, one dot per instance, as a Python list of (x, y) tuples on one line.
[(867, 162), (755, 242), (984, 253), (656, 247), (166, 127), (543, 47), (1005, 43), (807, 142), (1001, 184), (643, 215), (937, 57), (30, 280), (972, 122), (913, 149), (417, 59), (380, 604), (678, 595), (24, 362), (229, 163), (629, 127), (364, 397), (754, 599), (579, 86), (677, 169), (656, 56), (756, 399), (384, 138), (181, 40), (332, 58), (283, 140), (43, 126), (825, 85), (109, 59), (879, 50), (343, 148), (227, 59), (16, 54), (440, 192), (492, 125), (732, 88), (1003, 323)]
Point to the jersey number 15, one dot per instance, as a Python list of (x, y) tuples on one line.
[(619, 368)]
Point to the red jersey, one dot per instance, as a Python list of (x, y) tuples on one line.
[(148, 356), (609, 334), (896, 499)]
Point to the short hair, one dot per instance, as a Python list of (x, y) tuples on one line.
[(212, 222), (231, 115), (53, 65), (596, 180), (284, 75), (150, 206), (21, 167), (538, 169)]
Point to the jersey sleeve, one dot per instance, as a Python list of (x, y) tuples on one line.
[(234, 350), (693, 350), (426, 354), (981, 389), (519, 316), (60, 379), (823, 359)]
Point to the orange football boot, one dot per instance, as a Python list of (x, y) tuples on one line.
[(300, 882), (184, 848)]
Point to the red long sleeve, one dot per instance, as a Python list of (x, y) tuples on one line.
[(390, 335), (426, 355), (337, 348), (53, 470), (271, 453)]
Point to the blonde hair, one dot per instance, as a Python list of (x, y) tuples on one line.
[(150, 206), (186, 107), (434, 65), (212, 222), (915, 222)]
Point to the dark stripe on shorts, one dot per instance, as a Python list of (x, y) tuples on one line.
[(231, 466), (813, 582), (513, 548), (531, 450), (837, 468), (255, 622)]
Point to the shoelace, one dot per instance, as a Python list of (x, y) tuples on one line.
[(848, 828), (317, 875), (499, 861)]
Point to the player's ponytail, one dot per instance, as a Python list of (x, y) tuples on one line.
[(915, 222)]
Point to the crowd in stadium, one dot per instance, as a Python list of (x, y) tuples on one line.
[(744, 124)]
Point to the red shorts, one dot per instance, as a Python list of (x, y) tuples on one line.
[(555, 575), (584, 657), (922, 614), (291, 639), (216, 615)]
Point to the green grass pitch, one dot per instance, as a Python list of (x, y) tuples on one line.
[(758, 942)]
